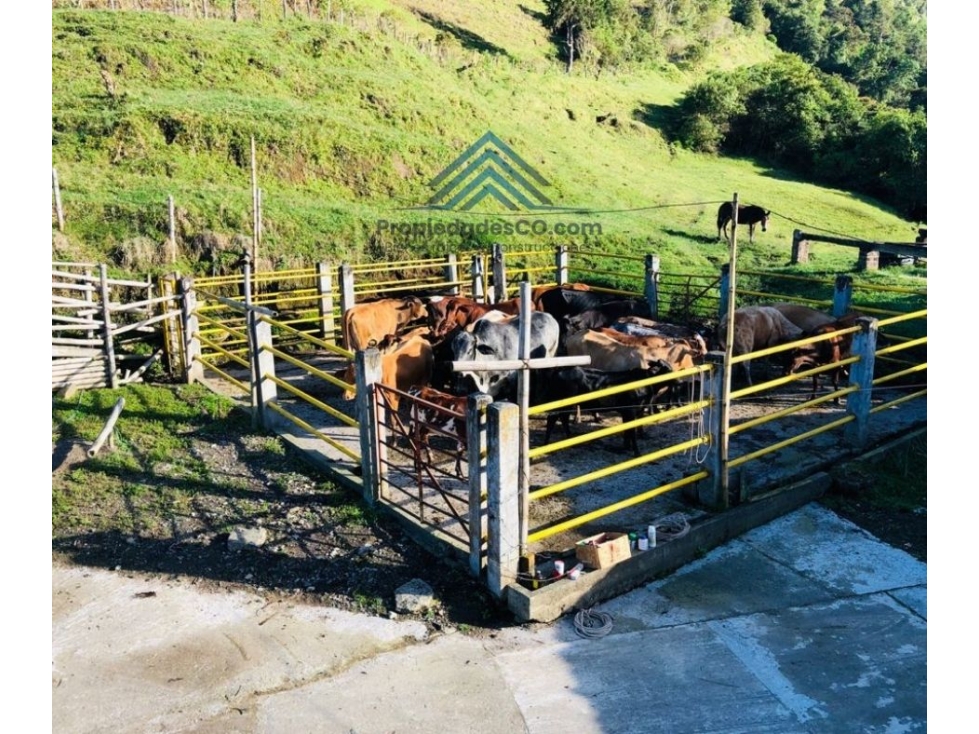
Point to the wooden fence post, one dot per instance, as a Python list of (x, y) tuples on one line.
[(503, 500), (173, 230), (499, 274), (324, 301), (561, 264), (842, 295), (373, 449), (346, 293), (171, 331), (725, 288), (476, 448), (479, 293), (651, 286), (193, 369), (800, 248), (451, 271), (110, 351), (862, 377), (57, 199)]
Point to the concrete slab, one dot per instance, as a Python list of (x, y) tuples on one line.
[(823, 546), (803, 625), (733, 579), (852, 665), (448, 685), (682, 679)]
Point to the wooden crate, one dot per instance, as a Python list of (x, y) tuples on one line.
[(603, 550)]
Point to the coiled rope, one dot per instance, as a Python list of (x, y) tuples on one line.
[(592, 624)]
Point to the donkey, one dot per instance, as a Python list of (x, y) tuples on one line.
[(747, 214)]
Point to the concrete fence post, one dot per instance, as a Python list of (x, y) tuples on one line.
[(715, 494), (862, 377), (499, 274), (263, 387), (561, 264), (325, 301), (479, 292), (193, 369), (451, 271), (346, 293), (503, 496), (373, 450), (475, 450), (651, 284), (800, 248), (842, 295)]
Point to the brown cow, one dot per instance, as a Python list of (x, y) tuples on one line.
[(448, 313), (368, 322), (756, 328), (825, 352), (406, 362), (611, 354), (434, 411)]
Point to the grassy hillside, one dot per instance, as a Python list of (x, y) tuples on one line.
[(351, 122)]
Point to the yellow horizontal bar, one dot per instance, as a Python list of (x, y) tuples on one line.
[(789, 441), (624, 504), (312, 339), (221, 350), (649, 420), (896, 375), (920, 314), (310, 369), (775, 415), (303, 424), (225, 375), (898, 401), (921, 341), (289, 387), (222, 327), (617, 468), (609, 391), (634, 258)]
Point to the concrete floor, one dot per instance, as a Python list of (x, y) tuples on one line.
[(805, 624)]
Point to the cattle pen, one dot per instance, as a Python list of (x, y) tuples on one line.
[(272, 341)]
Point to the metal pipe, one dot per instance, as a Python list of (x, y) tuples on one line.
[(107, 429)]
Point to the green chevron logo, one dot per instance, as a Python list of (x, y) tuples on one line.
[(489, 169)]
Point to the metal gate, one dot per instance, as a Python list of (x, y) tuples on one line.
[(424, 457)]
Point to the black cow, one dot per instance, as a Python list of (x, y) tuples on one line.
[(607, 314), (570, 382), (747, 214), (562, 303)]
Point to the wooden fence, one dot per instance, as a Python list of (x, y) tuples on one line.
[(872, 254), (104, 331)]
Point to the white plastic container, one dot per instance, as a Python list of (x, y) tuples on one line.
[(651, 535)]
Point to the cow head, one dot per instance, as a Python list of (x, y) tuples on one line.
[(412, 309)]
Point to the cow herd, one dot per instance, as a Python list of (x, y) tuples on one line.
[(420, 338)]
